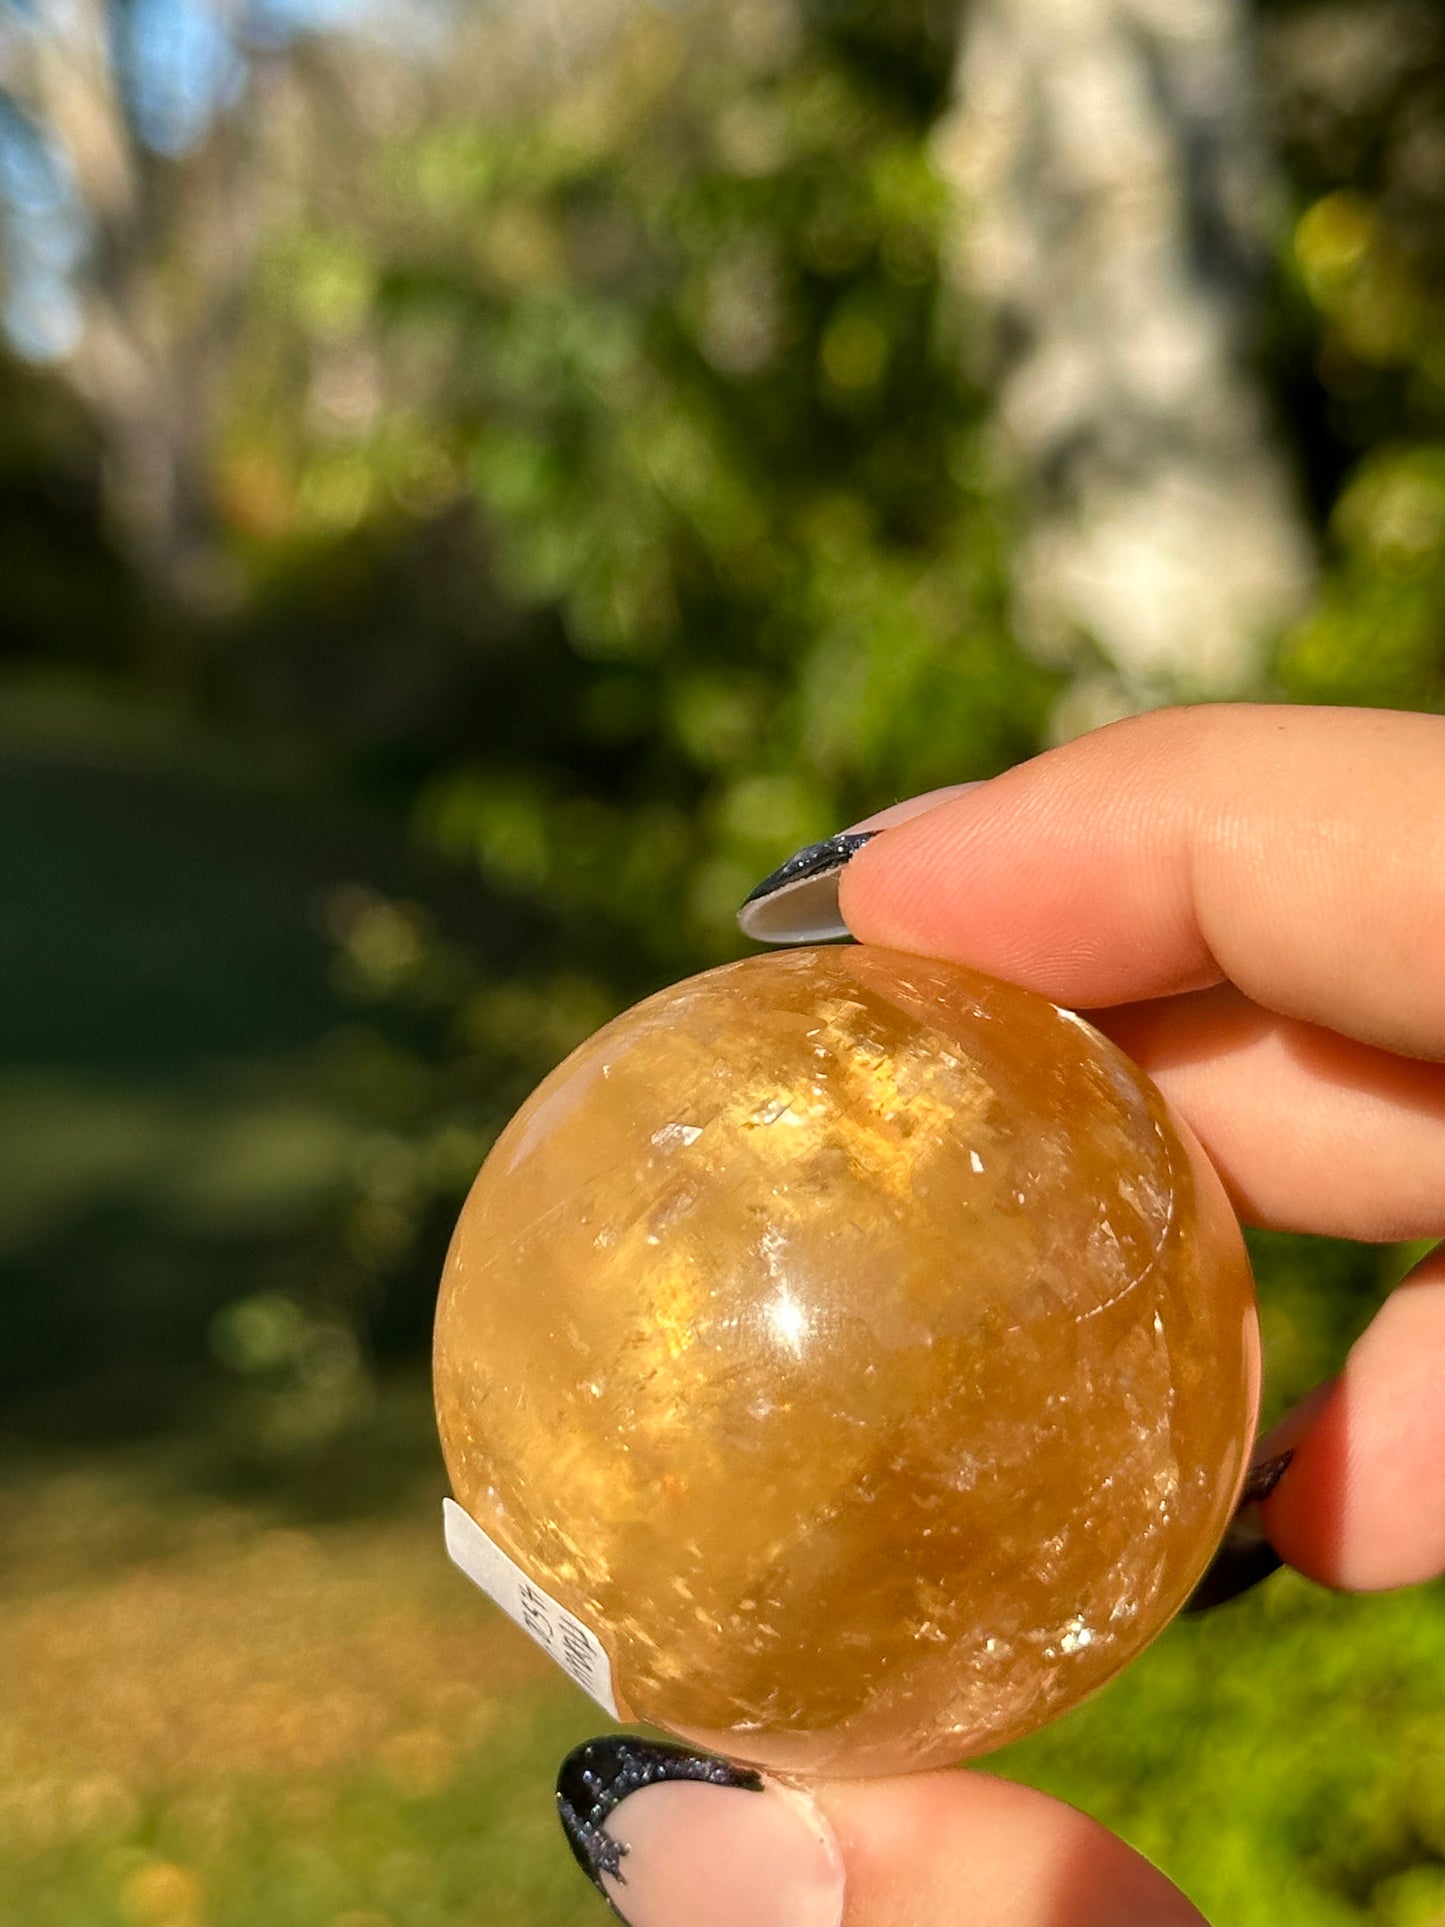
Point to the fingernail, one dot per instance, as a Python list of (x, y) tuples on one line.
[(1245, 1555), (798, 902), (673, 1838), (1263, 1476)]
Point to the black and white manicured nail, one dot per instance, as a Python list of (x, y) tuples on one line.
[(675, 1838), (1245, 1555), (798, 903)]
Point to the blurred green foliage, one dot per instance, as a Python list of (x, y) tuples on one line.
[(1358, 103), (673, 342), (599, 499), (597, 509)]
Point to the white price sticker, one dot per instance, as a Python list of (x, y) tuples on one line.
[(574, 1646)]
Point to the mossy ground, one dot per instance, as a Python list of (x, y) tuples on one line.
[(224, 1705)]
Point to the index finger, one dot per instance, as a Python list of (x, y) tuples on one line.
[(1299, 853)]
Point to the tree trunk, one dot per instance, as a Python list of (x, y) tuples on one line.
[(1114, 206)]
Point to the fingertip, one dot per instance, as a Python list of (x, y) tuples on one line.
[(1296, 851), (952, 1847), (1064, 875), (676, 1838), (1305, 1515), (1362, 1506)]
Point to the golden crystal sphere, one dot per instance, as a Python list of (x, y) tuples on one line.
[(853, 1343)]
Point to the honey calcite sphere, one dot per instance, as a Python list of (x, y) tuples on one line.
[(856, 1347)]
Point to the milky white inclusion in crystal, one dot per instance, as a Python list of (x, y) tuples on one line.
[(855, 1345)]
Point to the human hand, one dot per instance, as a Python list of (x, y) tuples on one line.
[(1251, 902)]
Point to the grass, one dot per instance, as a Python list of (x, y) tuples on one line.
[(258, 1701), (213, 1716)]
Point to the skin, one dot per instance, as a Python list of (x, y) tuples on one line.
[(1251, 901)]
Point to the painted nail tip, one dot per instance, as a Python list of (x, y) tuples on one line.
[(814, 860), (596, 1777), (798, 903), (698, 1858), (1245, 1557), (1264, 1476), (1236, 1570)]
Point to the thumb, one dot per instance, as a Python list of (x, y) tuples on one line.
[(674, 1838)]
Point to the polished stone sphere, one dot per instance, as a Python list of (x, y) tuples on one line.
[(857, 1347)]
